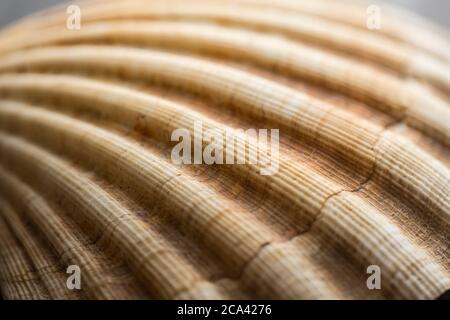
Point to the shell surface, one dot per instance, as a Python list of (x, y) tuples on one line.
[(87, 176)]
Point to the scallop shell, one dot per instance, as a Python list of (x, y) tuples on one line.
[(86, 133)]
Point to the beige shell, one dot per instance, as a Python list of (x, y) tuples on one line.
[(86, 176)]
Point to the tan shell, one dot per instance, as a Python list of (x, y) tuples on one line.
[(86, 177)]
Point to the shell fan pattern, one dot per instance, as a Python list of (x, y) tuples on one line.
[(87, 179)]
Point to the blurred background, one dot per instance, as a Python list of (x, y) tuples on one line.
[(436, 10)]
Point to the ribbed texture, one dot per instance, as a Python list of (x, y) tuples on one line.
[(86, 178)]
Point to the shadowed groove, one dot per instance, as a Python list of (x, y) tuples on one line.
[(33, 116), (141, 247), (155, 120), (298, 291), (347, 14), (297, 25), (334, 130), (214, 234), (378, 88), (18, 279), (51, 273), (63, 235)]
